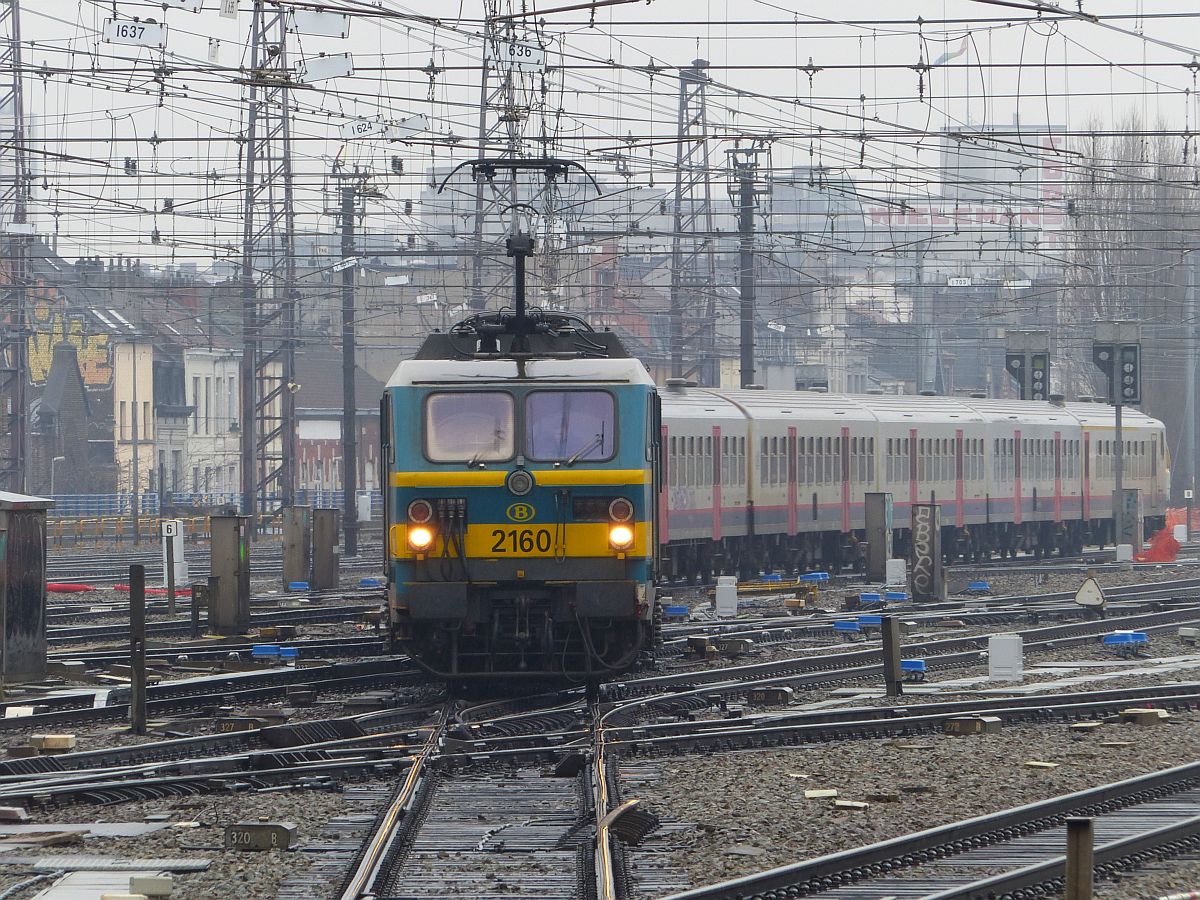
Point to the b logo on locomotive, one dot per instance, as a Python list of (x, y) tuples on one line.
[(520, 512)]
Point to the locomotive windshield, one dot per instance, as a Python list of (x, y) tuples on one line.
[(472, 427), (569, 425)]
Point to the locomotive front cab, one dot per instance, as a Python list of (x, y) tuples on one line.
[(522, 504)]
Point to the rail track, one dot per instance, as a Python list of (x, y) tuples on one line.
[(1016, 853), (475, 813), (66, 634), (482, 832), (211, 651), (982, 610), (113, 566), (211, 692)]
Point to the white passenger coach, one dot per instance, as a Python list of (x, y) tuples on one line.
[(760, 480)]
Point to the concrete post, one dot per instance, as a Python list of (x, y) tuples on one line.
[(1079, 859), (1129, 520), (229, 602), (170, 567), (878, 507), (297, 544), (199, 592), (892, 673), (325, 557), (22, 587), (137, 649), (928, 573)]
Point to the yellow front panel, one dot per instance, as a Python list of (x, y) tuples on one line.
[(511, 541)]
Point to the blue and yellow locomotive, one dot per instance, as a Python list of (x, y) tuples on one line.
[(523, 453)]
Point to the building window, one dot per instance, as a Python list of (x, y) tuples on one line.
[(124, 427), (208, 406), (195, 405)]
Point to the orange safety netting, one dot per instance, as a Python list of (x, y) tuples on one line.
[(1163, 547), (1178, 516)]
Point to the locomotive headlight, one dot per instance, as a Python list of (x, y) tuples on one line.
[(420, 537), (620, 537), (620, 510), (420, 511)]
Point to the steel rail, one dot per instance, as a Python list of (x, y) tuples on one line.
[(363, 882), (111, 791), (183, 751), (823, 726), (718, 679), (847, 866), (1046, 878), (185, 702), (64, 634), (606, 884), (326, 647)]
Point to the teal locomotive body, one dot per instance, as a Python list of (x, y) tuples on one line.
[(522, 502)]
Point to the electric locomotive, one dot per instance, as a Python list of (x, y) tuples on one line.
[(523, 452)]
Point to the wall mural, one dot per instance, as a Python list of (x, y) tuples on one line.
[(51, 323)]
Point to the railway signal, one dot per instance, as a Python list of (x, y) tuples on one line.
[(1117, 352), (1027, 359)]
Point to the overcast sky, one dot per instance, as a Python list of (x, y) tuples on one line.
[(866, 103)]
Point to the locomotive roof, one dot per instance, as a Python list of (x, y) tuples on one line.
[(503, 371)]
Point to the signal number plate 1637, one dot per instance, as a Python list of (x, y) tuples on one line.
[(521, 540)]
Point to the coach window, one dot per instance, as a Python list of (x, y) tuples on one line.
[(673, 462), (570, 426), (471, 427)]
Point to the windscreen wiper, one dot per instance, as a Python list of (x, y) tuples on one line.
[(596, 441)]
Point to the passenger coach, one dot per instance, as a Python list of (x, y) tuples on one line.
[(775, 480)]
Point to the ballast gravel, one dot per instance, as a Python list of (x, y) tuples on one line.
[(231, 874), (748, 811)]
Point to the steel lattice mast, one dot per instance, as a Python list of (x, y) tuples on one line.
[(693, 259), (268, 277), (15, 233), (500, 124)]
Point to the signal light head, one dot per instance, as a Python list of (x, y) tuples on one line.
[(620, 537), (420, 511), (420, 537), (620, 510)]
